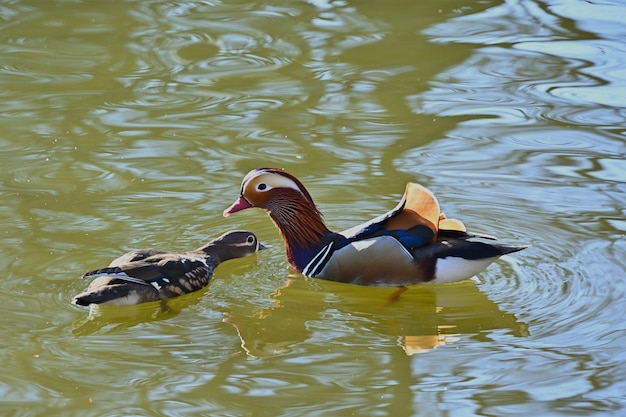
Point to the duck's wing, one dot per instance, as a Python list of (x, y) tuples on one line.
[(135, 255), (412, 224), (157, 277), (470, 247), (414, 221), (109, 290), (461, 234), (159, 270)]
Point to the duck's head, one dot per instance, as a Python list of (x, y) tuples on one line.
[(234, 244), (287, 202), (269, 189)]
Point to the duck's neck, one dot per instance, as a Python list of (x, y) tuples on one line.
[(212, 251), (218, 252), (303, 230)]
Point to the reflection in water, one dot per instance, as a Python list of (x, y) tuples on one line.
[(423, 317)]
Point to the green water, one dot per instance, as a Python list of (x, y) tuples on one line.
[(131, 124)]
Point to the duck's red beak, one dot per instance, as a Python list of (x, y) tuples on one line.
[(240, 204)]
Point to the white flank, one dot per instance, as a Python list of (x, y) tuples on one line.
[(131, 299), (453, 269)]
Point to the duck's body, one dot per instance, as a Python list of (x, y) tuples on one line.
[(412, 244), (151, 275)]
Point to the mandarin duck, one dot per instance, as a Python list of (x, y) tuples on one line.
[(412, 244), (151, 275)]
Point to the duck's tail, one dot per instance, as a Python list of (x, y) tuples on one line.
[(106, 294)]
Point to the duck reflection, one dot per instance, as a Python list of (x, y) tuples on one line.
[(422, 319)]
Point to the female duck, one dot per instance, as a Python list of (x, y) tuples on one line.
[(150, 275), (413, 243)]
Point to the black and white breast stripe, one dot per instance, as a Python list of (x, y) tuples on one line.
[(319, 261)]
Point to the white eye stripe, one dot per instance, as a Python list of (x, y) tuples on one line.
[(268, 181), (248, 243)]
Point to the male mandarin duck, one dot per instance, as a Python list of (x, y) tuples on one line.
[(412, 244), (151, 275)]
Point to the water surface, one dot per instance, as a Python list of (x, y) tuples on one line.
[(128, 125)]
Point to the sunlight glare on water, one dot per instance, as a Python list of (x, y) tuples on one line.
[(130, 125)]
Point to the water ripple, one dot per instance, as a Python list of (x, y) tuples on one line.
[(565, 285), (509, 22), (130, 125)]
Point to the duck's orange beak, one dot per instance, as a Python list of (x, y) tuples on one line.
[(240, 204)]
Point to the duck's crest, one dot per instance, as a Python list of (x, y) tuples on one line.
[(285, 174)]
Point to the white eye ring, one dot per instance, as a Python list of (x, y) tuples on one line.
[(262, 187), (250, 239)]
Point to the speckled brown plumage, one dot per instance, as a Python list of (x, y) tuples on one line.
[(150, 275)]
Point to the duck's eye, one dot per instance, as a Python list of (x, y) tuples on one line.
[(261, 187), (251, 239)]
